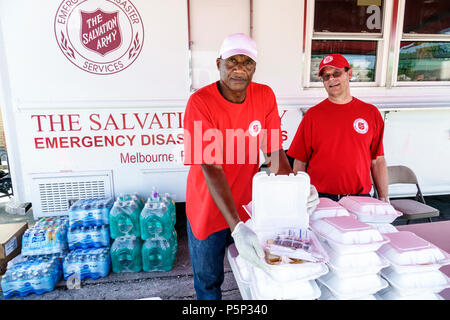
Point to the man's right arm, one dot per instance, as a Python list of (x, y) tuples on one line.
[(221, 193)]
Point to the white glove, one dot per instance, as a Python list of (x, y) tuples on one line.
[(313, 200), (248, 246)]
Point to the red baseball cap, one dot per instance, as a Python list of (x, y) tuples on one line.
[(335, 60)]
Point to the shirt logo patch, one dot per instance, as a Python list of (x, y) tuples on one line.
[(361, 126), (254, 128)]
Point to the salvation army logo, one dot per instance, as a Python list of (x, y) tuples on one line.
[(99, 36), (254, 128), (100, 39), (361, 126), (327, 59)]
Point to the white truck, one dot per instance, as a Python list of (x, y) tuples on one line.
[(93, 92)]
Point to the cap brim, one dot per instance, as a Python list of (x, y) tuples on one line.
[(234, 52), (329, 65)]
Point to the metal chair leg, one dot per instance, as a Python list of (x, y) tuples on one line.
[(429, 219)]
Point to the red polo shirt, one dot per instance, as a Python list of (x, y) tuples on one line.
[(338, 142), (214, 133)]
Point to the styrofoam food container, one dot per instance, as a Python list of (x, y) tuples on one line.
[(348, 235), (279, 201), (392, 294), (354, 265), (328, 208), (369, 209), (406, 248), (283, 272), (383, 227), (327, 295), (294, 272), (321, 254), (419, 282), (418, 267), (264, 288), (354, 287), (241, 272), (243, 267)]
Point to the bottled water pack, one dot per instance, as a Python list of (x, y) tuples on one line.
[(158, 217), (33, 274), (132, 197), (88, 237), (90, 212), (87, 263), (126, 254), (159, 254), (124, 217), (47, 236)]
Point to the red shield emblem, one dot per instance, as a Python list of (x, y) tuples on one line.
[(100, 31), (361, 125)]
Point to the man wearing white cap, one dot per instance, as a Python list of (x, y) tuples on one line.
[(339, 142), (226, 123)]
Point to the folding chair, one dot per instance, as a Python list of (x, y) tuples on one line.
[(411, 209)]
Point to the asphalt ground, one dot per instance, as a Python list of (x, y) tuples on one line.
[(176, 284)]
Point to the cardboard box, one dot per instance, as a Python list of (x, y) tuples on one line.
[(10, 242)]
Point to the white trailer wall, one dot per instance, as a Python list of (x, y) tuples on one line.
[(40, 84)]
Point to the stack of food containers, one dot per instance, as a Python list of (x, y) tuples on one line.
[(374, 212), (414, 268), (351, 245), (294, 256)]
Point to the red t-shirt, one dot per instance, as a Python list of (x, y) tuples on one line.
[(223, 126), (338, 142)]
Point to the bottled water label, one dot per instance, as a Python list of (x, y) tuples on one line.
[(47, 236)]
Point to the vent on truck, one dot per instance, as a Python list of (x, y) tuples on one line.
[(54, 193)]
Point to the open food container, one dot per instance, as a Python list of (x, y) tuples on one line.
[(241, 271), (369, 209), (280, 219), (348, 235), (279, 202)]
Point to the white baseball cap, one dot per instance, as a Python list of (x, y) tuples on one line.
[(238, 43)]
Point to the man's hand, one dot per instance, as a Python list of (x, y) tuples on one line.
[(313, 200), (278, 162), (385, 200), (248, 245)]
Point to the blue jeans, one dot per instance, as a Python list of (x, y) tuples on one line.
[(207, 262)]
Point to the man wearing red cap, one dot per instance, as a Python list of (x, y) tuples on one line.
[(226, 123), (339, 142)]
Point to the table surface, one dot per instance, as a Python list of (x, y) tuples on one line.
[(438, 233)]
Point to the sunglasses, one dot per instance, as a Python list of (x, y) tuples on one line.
[(336, 74)]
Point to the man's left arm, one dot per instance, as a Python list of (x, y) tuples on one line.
[(380, 177)]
